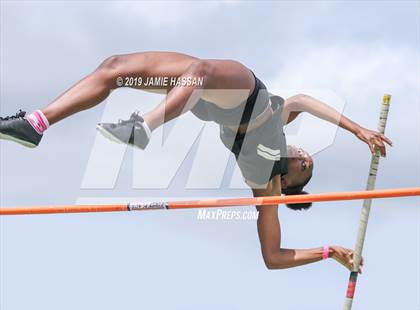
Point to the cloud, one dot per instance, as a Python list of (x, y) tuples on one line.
[(350, 69), (157, 14), (359, 74)]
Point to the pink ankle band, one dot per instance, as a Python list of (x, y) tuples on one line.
[(38, 121), (326, 252)]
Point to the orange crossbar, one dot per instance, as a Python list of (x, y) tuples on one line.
[(215, 203)]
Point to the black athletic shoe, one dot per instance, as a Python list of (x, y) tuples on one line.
[(16, 128), (131, 131)]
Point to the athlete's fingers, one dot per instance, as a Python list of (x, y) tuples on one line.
[(379, 145), (371, 147), (386, 139)]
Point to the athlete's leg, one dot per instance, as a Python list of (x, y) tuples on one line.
[(94, 88), (216, 75), (225, 83)]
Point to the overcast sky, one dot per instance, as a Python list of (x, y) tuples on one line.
[(347, 53)]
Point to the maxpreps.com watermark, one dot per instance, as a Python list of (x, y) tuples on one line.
[(221, 214)]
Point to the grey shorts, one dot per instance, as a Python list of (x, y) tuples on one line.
[(260, 153)]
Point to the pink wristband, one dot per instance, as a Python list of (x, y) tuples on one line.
[(325, 252)]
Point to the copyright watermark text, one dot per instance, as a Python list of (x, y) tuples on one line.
[(159, 81)]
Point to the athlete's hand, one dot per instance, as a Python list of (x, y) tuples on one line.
[(374, 140), (345, 257)]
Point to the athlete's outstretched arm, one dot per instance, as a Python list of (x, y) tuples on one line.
[(276, 257), (304, 103)]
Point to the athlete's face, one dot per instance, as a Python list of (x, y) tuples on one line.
[(300, 165)]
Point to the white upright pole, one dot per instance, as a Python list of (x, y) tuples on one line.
[(364, 217)]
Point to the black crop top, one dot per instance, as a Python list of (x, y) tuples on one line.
[(256, 103)]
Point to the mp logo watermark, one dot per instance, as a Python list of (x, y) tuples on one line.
[(186, 157)]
